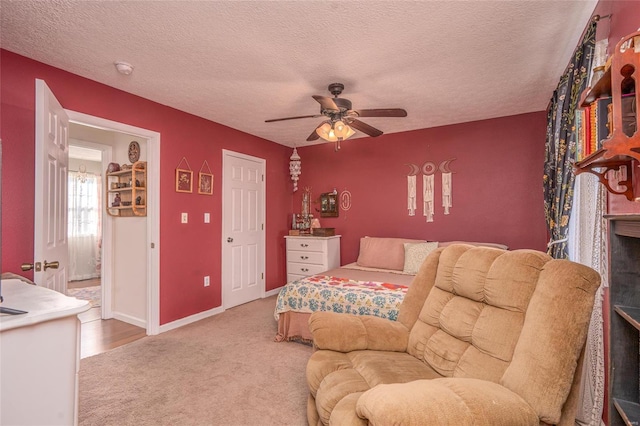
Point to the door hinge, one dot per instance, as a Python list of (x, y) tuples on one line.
[(263, 226), (153, 245), (263, 178), (262, 275)]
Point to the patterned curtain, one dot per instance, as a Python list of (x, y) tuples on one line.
[(558, 176)]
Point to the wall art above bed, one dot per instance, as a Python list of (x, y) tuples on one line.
[(429, 169)]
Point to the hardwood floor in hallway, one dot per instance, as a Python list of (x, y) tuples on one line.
[(98, 335)]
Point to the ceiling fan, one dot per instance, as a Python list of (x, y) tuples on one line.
[(341, 118)]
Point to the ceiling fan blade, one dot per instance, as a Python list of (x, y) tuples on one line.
[(314, 135), (326, 103), (292, 118), (388, 112), (365, 128)]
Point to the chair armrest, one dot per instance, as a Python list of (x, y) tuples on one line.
[(450, 401), (346, 332)]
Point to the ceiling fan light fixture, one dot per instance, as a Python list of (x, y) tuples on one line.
[(326, 132), (342, 130), (336, 131)]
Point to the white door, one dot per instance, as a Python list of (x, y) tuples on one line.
[(242, 228), (52, 161)]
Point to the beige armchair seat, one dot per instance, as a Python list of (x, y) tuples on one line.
[(484, 337)]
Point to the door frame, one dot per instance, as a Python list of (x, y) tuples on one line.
[(224, 270), (153, 210)]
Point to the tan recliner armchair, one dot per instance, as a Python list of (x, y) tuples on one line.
[(484, 337)]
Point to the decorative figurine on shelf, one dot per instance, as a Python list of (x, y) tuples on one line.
[(138, 200), (116, 200)]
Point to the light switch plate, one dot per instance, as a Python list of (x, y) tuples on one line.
[(185, 218), (207, 217), (206, 281)]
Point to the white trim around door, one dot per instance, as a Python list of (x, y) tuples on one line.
[(153, 207)]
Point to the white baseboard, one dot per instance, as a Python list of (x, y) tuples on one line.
[(272, 292), (202, 315), (129, 319), (193, 318)]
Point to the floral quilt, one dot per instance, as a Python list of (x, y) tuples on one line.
[(343, 295)]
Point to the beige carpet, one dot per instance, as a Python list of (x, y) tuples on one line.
[(224, 370)]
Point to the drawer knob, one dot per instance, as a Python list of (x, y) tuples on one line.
[(304, 257), (304, 270), (304, 245)]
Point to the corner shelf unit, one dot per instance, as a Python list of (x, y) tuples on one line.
[(624, 320), (130, 186), (619, 149)]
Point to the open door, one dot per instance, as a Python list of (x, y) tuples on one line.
[(51, 255)]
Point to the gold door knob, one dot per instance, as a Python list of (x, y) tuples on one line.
[(52, 265), (29, 266)]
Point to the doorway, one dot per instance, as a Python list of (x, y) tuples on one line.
[(243, 235), (148, 248), (84, 224)]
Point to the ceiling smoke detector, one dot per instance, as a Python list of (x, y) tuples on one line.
[(124, 68)]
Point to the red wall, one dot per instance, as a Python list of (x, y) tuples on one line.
[(497, 183), (187, 252)]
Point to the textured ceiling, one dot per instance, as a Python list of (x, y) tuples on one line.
[(239, 63)]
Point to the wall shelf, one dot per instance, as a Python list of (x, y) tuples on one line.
[(127, 191), (622, 147)]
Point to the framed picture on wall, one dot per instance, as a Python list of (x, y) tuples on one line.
[(205, 183), (184, 180)]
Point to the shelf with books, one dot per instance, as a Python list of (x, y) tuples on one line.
[(607, 140)]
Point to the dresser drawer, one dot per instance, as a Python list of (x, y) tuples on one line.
[(305, 244), (310, 257), (293, 277), (304, 269)]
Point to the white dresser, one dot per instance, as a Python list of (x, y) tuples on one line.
[(309, 255), (40, 354)]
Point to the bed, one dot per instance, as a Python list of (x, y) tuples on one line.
[(373, 285)]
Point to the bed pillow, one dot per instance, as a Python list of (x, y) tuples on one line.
[(383, 253), (414, 255)]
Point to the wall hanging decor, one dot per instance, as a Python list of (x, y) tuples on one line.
[(205, 180), (295, 168), (184, 177), (411, 189), (345, 200), (429, 169), (329, 204), (447, 197), (134, 151)]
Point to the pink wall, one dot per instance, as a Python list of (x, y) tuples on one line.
[(497, 183), (188, 252)]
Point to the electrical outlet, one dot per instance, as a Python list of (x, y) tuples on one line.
[(185, 218), (207, 217), (206, 281)]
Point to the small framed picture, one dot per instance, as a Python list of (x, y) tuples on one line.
[(184, 180), (205, 183)]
